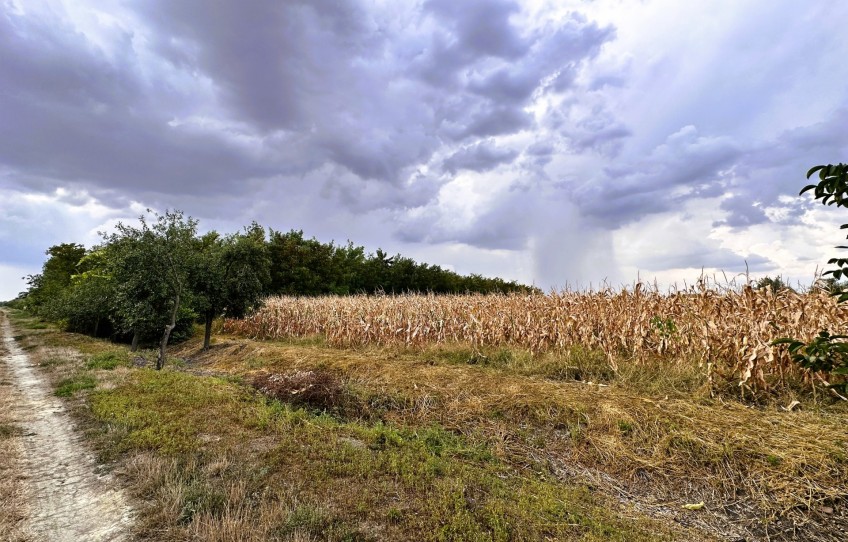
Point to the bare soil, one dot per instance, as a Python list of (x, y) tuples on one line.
[(61, 493)]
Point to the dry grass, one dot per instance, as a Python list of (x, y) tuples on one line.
[(726, 330), (318, 389), (761, 471), (180, 506)]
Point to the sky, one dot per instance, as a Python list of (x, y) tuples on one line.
[(553, 142)]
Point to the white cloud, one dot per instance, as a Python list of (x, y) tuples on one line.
[(12, 280), (33, 222)]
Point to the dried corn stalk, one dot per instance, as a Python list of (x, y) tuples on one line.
[(731, 329)]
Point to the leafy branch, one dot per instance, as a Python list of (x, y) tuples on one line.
[(826, 353)]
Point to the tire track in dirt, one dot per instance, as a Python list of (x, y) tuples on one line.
[(68, 500)]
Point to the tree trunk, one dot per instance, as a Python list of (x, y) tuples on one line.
[(135, 338), (160, 361), (207, 337)]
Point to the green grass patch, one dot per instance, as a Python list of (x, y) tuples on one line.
[(107, 361), (416, 482), (21, 319), (70, 386), (168, 410), (485, 357)]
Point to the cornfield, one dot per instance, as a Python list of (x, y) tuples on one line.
[(728, 330)]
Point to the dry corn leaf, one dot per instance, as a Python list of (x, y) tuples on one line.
[(791, 406)]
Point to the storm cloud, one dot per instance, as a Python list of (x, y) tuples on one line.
[(543, 132)]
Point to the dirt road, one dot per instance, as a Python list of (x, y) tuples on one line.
[(67, 500)]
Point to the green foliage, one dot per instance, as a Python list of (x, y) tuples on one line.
[(827, 353), (664, 327), (832, 189), (231, 274), (152, 266), (90, 297), (47, 291), (301, 266)]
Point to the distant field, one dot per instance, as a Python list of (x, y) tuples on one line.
[(725, 331)]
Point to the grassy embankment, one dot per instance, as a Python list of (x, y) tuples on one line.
[(444, 444)]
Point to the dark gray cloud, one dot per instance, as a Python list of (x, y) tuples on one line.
[(352, 86), (480, 27), (503, 224), (270, 61), (706, 256), (490, 123), (480, 157), (768, 170), (619, 194), (74, 114), (742, 212)]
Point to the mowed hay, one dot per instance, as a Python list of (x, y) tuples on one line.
[(728, 330), (313, 389)]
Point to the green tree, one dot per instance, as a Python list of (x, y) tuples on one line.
[(90, 301), (47, 290), (152, 265), (232, 274)]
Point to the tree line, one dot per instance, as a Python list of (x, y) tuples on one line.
[(153, 281)]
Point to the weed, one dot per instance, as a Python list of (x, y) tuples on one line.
[(53, 362), (107, 361), (199, 498), (394, 514), (625, 427), (664, 327), (313, 521), (69, 386), (576, 364)]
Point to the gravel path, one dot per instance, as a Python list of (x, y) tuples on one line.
[(68, 500)]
